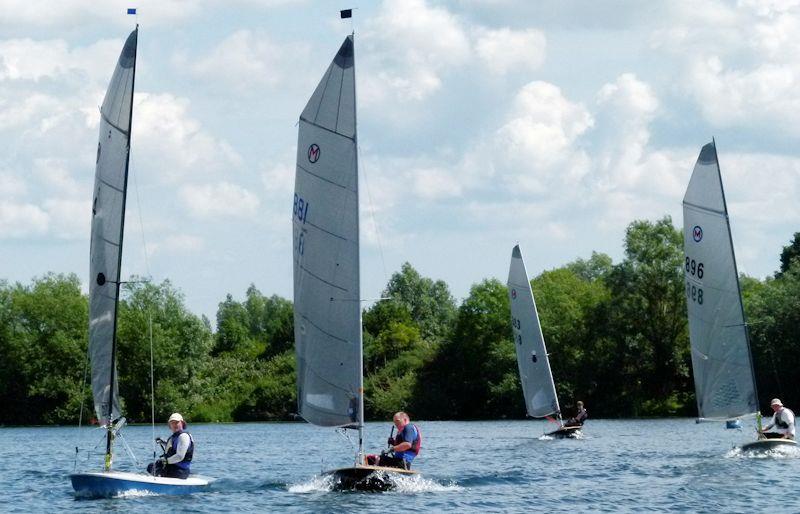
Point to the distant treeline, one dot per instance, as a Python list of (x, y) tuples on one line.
[(616, 333)]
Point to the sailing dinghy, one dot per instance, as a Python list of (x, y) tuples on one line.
[(724, 378), (327, 301), (534, 365), (108, 220)]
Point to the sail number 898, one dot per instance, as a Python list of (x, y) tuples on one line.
[(694, 293), (694, 268)]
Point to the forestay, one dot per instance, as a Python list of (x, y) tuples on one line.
[(723, 370), (327, 309), (108, 216), (534, 365)]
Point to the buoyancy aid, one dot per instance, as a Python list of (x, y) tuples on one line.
[(416, 444), (172, 445)]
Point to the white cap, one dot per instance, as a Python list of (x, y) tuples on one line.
[(175, 417), (775, 401)]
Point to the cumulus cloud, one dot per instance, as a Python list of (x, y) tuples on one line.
[(505, 50), (248, 60), (19, 220), (748, 71), (405, 61), (218, 200), (169, 138)]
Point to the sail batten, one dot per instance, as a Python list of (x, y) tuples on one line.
[(325, 239), (108, 216), (534, 365), (721, 358)]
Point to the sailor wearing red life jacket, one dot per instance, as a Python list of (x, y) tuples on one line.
[(405, 445)]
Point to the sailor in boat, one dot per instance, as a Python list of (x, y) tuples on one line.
[(579, 418), (403, 447), (178, 451), (782, 422)]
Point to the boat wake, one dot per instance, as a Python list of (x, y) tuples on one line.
[(401, 484), (780, 452), (317, 484)]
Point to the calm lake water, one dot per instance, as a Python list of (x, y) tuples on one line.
[(620, 465)]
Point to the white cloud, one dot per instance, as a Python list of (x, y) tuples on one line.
[(221, 199), (505, 50), (28, 59), (247, 60), (167, 136), (69, 219), (22, 220), (11, 186), (403, 60), (740, 64)]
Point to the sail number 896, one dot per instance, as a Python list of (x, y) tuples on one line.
[(694, 268)]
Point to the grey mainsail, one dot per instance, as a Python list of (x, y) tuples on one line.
[(721, 360), (108, 219), (327, 308), (534, 365)]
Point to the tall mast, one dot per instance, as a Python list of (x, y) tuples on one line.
[(110, 431), (738, 283), (360, 456)]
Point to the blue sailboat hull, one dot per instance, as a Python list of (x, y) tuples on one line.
[(119, 483)]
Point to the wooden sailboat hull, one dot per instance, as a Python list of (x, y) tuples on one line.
[(105, 484), (565, 432), (764, 445), (367, 478)]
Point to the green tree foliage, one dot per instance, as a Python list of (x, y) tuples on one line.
[(616, 334), (44, 346), (429, 302), (647, 324), (573, 306), (181, 345), (773, 311), (790, 254), (474, 373)]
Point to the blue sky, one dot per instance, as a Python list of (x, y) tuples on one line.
[(482, 123)]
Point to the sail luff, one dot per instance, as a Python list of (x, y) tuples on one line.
[(360, 454), (536, 376)]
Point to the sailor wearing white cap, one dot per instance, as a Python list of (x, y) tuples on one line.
[(178, 451), (782, 421)]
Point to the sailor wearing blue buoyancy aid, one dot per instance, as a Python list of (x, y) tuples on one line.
[(782, 420), (405, 445), (178, 452)]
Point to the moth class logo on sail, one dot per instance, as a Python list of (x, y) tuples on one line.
[(513, 294), (697, 233), (313, 153)]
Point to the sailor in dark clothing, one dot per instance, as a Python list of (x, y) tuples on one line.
[(403, 447), (579, 418), (178, 451)]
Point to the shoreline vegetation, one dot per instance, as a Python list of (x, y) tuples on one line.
[(616, 332)]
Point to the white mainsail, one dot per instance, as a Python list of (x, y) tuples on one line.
[(327, 308), (534, 365), (108, 219), (723, 369)]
